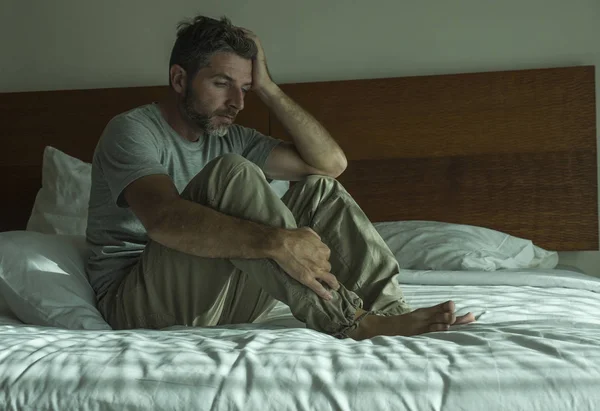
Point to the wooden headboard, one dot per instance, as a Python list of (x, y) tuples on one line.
[(514, 151), (71, 121)]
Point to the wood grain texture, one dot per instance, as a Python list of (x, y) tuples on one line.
[(452, 115), (545, 197), (71, 121), (513, 151)]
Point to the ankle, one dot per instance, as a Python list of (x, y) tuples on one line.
[(366, 327)]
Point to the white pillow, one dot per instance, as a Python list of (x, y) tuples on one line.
[(61, 205), (432, 245), (5, 311), (43, 280)]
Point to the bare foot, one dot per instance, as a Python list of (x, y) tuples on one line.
[(437, 318)]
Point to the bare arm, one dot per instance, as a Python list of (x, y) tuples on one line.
[(313, 151), (312, 141), (195, 229)]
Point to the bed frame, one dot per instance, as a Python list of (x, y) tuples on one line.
[(514, 151)]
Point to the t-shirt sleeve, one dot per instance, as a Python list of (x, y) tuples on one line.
[(253, 145), (127, 150)]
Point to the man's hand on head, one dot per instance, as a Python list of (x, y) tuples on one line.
[(261, 78)]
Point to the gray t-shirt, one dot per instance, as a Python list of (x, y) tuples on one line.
[(134, 144)]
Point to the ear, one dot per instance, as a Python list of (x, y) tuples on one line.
[(178, 78)]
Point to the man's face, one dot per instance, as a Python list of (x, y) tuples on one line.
[(216, 94)]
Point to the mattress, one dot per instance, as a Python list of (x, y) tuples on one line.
[(535, 346)]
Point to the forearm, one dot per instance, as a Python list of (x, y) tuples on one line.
[(199, 230), (314, 143)]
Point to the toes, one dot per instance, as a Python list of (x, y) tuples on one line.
[(465, 319), (446, 318), (447, 306), (438, 327), (440, 308)]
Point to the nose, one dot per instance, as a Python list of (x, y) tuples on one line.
[(236, 99)]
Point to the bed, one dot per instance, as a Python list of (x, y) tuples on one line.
[(474, 181)]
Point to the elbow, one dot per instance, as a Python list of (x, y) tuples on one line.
[(154, 227), (337, 172), (340, 166), (334, 167), (160, 222)]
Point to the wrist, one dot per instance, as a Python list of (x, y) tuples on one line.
[(268, 91), (275, 238)]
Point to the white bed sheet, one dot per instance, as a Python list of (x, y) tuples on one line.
[(535, 346)]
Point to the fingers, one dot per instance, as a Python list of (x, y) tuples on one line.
[(310, 230), (318, 288), (316, 284), (323, 246), (330, 280)]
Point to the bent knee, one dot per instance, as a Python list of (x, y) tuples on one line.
[(231, 161), (316, 182), (320, 179)]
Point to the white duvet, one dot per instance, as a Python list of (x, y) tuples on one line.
[(535, 346)]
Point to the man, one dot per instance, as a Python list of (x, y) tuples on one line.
[(185, 229)]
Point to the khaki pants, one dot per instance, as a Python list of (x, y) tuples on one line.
[(167, 287)]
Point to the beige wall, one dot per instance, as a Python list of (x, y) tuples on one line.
[(70, 44)]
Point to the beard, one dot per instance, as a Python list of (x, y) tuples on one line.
[(204, 122)]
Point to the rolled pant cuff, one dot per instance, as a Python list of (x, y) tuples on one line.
[(344, 333)]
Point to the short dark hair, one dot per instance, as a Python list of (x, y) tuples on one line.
[(200, 38)]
